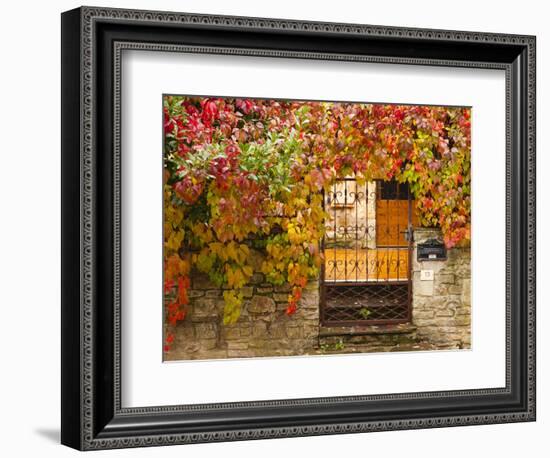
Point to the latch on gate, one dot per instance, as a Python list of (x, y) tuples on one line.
[(431, 250), (408, 234)]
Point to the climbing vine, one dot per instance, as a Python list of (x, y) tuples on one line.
[(249, 173)]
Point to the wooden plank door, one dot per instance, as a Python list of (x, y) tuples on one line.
[(392, 214)]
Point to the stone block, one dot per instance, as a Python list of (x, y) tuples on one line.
[(423, 314), (450, 322), (257, 279), (232, 332), (305, 314), (185, 331), (248, 292), (463, 320), (264, 289), (310, 300), (466, 295), (261, 304), (310, 330), (299, 346), (208, 344), (201, 281), (312, 285), (281, 306), (277, 331), (445, 278), (277, 344), (238, 345), (285, 288), (280, 297), (296, 332), (189, 347), (206, 306), (259, 329), (455, 289), (445, 313), (310, 342), (206, 330), (257, 343)]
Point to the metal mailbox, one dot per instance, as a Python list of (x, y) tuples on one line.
[(431, 250)]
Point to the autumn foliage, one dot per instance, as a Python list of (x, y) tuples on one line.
[(249, 173)]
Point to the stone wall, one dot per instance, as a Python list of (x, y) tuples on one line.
[(263, 329), (441, 317), (442, 305)]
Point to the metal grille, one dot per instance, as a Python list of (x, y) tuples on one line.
[(367, 251)]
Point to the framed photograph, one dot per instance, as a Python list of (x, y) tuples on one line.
[(276, 228)]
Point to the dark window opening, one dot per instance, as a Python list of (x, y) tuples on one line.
[(392, 190)]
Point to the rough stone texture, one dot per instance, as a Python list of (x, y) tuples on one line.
[(263, 329), (442, 307)]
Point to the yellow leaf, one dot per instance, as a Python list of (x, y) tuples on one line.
[(231, 251), (175, 240)]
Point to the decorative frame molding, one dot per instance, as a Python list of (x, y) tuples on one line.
[(93, 40)]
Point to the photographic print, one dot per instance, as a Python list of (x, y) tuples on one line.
[(314, 227)]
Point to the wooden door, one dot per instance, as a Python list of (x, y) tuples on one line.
[(392, 214)]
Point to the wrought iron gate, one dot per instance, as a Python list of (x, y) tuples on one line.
[(366, 275)]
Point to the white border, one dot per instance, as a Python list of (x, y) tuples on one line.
[(146, 381)]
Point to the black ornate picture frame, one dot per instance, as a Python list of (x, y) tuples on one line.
[(92, 42)]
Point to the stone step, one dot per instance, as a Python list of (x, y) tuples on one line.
[(368, 338), (343, 348)]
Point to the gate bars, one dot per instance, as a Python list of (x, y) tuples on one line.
[(366, 273)]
